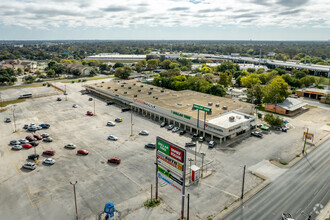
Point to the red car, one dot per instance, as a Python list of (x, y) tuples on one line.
[(26, 145), (30, 138), (90, 113), (82, 151), (49, 152), (38, 136), (114, 160)]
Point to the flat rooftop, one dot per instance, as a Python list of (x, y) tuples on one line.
[(225, 122), (180, 101)]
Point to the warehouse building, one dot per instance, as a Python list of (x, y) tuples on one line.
[(290, 106), (215, 118), (312, 93)]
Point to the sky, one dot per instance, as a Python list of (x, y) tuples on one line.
[(165, 20)]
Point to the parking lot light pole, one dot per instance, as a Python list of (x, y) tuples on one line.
[(131, 122), (14, 118), (203, 154), (75, 199), (94, 106), (190, 159), (243, 182)]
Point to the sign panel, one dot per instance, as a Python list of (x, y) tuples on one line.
[(309, 136), (146, 104), (202, 108), (167, 149)]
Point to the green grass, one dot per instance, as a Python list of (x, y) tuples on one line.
[(325, 80), (297, 155), (311, 106), (19, 87), (5, 103), (151, 204), (283, 163), (225, 208), (88, 79)]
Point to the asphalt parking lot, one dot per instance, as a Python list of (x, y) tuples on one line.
[(46, 192)]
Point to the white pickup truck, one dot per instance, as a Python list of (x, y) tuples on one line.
[(286, 216)]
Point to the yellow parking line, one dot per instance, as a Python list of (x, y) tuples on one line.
[(8, 150), (28, 194), (17, 170)]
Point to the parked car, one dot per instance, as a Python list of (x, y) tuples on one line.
[(150, 145), (70, 146), (163, 124), (118, 120), (170, 127), (115, 160), (7, 120), (34, 143), (256, 134), (26, 146), (32, 128), (175, 129), (49, 152), (17, 147), (48, 139), (201, 139), (30, 138), (75, 106), (39, 127), (14, 142), (45, 126), (110, 103), (190, 144), (90, 113), (37, 136), (82, 151), (112, 138), (125, 109), (58, 99), (23, 141), (29, 165), (182, 132), (195, 136), (111, 123), (26, 126), (90, 99), (143, 132), (33, 157), (45, 135), (211, 144), (49, 161)]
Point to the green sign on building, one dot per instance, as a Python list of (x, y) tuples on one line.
[(181, 115), (163, 147), (202, 108)]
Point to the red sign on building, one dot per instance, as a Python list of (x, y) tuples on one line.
[(176, 154)]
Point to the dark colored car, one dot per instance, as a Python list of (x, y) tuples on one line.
[(58, 99), (30, 138), (82, 151), (110, 103), (90, 99), (256, 134), (39, 137), (182, 132), (195, 136), (190, 144), (44, 126), (115, 160), (150, 145), (7, 120), (34, 143), (125, 109), (163, 124), (49, 152), (25, 126), (33, 156)]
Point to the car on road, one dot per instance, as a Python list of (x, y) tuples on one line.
[(26, 126), (34, 143), (29, 165), (17, 147), (23, 141), (48, 139), (143, 132), (7, 120), (190, 144), (70, 146), (111, 123), (175, 129), (30, 138), (33, 157), (182, 132), (118, 120), (90, 99), (82, 151), (150, 145), (112, 138), (115, 160), (49, 161), (90, 113), (49, 152), (256, 134), (26, 146), (14, 142), (75, 106), (211, 144), (170, 127), (44, 126), (110, 103), (39, 137), (163, 124), (58, 99), (287, 216)]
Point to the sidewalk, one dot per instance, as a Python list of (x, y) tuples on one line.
[(325, 213)]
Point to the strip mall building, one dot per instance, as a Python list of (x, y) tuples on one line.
[(218, 119)]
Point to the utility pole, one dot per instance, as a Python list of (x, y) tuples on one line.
[(203, 154), (14, 118), (190, 168), (156, 180), (131, 122), (75, 199), (188, 208), (243, 183), (94, 106), (195, 151)]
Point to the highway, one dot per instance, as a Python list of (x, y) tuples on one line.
[(302, 190)]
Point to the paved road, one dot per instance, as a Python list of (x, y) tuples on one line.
[(303, 188)]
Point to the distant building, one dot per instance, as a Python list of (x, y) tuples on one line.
[(116, 57), (235, 54), (85, 70), (312, 93), (290, 106), (271, 54)]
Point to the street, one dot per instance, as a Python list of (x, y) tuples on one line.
[(303, 190)]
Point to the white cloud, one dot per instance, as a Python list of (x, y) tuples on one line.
[(164, 13)]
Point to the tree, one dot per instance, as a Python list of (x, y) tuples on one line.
[(225, 79), (7, 76), (280, 70), (227, 65), (19, 71), (50, 73), (93, 72), (104, 67), (165, 64), (273, 120), (307, 81), (51, 64), (250, 80), (123, 72), (255, 94), (152, 64), (59, 69), (76, 72), (118, 65), (209, 77), (251, 70), (218, 90), (93, 63), (276, 91), (174, 65), (29, 79)]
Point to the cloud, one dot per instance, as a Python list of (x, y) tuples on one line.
[(290, 12), (210, 10), (114, 8), (292, 3), (179, 9)]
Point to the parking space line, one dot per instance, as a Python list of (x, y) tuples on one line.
[(228, 193), (8, 150), (17, 170), (28, 195), (130, 179)]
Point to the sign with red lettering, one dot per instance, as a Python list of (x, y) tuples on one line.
[(176, 153)]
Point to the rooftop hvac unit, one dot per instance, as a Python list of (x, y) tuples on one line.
[(246, 116), (134, 84), (122, 85), (224, 107), (135, 95), (149, 93), (139, 90), (117, 95), (109, 87), (116, 89), (210, 103), (162, 91), (217, 105), (141, 86), (231, 118), (156, 97), (129, 87), (151, 88), (125, 92)]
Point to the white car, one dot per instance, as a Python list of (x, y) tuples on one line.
[(175, 129), (75, 106), (70, 146), (111, 123), (50, 161), (143, 132), (17, 147), (48, 139), (39, 127), (112, 138), (45, 135), (29, 165), (23, 141)]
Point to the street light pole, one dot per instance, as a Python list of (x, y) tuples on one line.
[(203, 154), (243, 183), (14, 118), (75, 200), (190, 168), (94, 106), (131, 122)]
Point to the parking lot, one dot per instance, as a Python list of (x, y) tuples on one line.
[(46, 191)]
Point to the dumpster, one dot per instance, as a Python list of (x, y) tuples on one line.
[(259, 115)]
